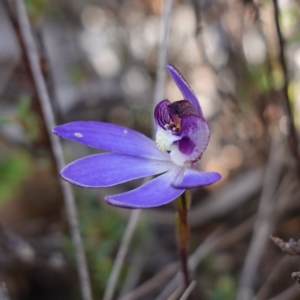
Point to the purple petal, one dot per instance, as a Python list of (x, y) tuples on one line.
[(193, 178), (110, 137), (108, 169), (184, 88), (195, 136), (156, 192), (161, 113)]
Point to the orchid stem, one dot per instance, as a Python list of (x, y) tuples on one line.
[(182, 205)]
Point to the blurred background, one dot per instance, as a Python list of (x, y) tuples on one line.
[(99, 59)]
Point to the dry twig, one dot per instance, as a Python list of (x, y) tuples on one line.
[(281, 268), (152, 284), (291, 247), (293, 138), (3, 292), (212, 243), (264, 222), (289, 294), (188, 291), (158, 94), (28, 46), (119, 261)]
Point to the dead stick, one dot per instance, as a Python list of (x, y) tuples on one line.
[(119, 261), (264, 222), (30, 52), (293, 138)]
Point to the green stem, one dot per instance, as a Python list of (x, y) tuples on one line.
[(182, 205)]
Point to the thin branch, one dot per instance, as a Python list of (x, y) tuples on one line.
[(202, 48), (276, 274), (136, 267), (152, 284), (289, 294), (3, 292), (188, 291), (173, 286), (265, 220), (194, 260), (7, 4), (31, 53), (291, 247), (212, 243), (160, 72), (293, 138), (176, 294), (110, 288), (158, 94)]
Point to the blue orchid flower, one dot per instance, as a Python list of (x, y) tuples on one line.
[(182, 136)]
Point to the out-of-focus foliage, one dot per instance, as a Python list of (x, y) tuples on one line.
[(35, 7), (14, 169), (225, 288), (27, 119), (99, 59)]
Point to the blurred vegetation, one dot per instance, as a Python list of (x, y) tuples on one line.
[(14, 169), (225, 288), (99, 59), (36, 7)]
